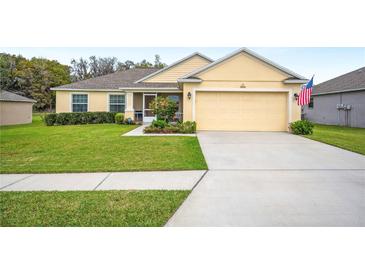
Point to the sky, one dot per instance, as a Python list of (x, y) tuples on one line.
[(323, 63)]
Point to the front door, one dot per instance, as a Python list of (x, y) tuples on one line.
[(148, 116)]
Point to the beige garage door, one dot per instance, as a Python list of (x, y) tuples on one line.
[(241, 111)]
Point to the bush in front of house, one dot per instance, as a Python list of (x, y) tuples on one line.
[(50, 119), (164, 108), (303, 127), (119, 118), (159, 123), (165, 128), (79, 118)]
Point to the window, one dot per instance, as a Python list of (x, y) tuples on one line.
[(116, 103), (311, 103), (79, 102)]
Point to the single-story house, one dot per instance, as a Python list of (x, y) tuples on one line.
[(15, 109), (339, 101), (242, 91)]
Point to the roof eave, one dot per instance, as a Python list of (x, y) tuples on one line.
[(21, 101), (149, 88), (180, 80), (83, 89), (296, 81), (338, 91)]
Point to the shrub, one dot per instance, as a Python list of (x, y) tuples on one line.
[(184, 128), (164, 108), (50, 119), (303, 127), (78, 118), (119, 118), (159, 123), (187, 127)]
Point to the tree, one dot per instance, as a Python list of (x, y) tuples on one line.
[(80, 70), (33, 78), (158, 63), (164, 108), (143, 64), (125, 66)]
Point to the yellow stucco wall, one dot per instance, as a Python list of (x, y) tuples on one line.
[(13, 113), (171, 75), (98, 100), (241, 71)]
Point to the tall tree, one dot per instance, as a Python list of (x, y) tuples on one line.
[(33, 78), (80, 69), (158, 63)]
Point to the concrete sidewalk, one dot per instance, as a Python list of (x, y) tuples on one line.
[(162, 180)]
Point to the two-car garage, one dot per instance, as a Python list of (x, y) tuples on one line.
[(241, 111)]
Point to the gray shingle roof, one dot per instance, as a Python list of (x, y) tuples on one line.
[(12, 97), (117, 80), (350, 81)]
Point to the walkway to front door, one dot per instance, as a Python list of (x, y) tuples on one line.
[(275, 179)]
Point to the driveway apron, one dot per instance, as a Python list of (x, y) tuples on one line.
[(275, 179)]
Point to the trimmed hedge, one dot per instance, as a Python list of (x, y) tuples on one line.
[(303, 127), (79, 118)]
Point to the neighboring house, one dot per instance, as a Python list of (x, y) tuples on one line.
[(15, 109), (339, 101), (241, 91)]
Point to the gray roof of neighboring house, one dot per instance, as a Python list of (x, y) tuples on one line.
[(354, 80), (12, 97), (119, 79)]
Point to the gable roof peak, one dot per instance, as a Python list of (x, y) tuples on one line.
[(249, 52)]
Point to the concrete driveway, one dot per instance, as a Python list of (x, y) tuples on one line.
[(275, 179)]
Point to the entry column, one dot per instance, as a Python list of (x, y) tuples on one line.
[(129, 110)]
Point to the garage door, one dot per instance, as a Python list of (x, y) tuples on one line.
[(241, 111)]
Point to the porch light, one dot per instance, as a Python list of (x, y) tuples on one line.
[(189, 95), (296, 96)]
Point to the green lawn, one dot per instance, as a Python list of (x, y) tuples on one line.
[(36, 148), (352, 139), (89, 208)]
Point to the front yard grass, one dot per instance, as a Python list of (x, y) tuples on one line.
[(352, 139), (36, 148), (89, 208)]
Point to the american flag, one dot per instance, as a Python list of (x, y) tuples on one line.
[(305, 94)]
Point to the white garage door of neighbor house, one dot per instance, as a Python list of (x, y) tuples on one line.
[(241, 111)]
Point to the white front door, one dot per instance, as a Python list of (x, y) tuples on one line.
[(148, 116)]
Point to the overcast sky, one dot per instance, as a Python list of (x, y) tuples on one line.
[(324, 63)]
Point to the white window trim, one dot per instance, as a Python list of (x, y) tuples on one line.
[(80, 93), (115, 93), (289, 101)]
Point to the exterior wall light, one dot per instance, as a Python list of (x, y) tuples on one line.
[(296, 96), (189, 95)]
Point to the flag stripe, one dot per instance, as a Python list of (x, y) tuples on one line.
[(305, 93)]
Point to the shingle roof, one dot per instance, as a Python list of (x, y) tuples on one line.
[(117, 80), (353, 80), (12, 97)]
